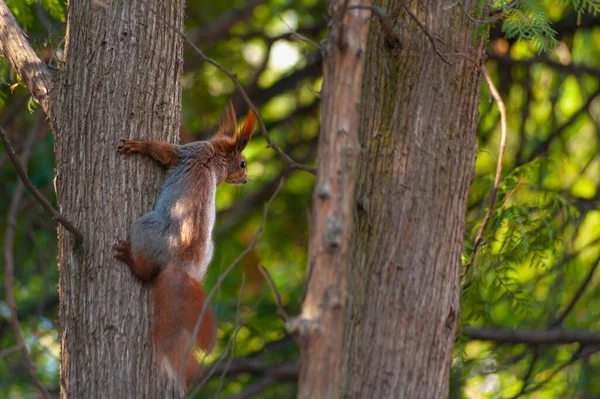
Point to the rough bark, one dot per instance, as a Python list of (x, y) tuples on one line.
[(418, 121), (318, 329), (121, 79)]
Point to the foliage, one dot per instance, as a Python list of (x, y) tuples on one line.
[(532, 19), (542, 241)]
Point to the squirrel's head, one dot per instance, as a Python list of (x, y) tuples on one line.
[(233, 143)]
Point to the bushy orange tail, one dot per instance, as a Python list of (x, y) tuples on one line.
[(178, 302)]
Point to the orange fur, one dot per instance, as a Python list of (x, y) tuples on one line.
[(163, 153), (173, 242), (178, 302), (248, 127)]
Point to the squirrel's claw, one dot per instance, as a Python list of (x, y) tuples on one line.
[(127, 146)]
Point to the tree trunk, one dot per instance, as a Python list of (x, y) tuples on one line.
[(319, 328), (417, 132), (121, 79)]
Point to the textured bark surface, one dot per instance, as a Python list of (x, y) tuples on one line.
[(122, 79), (417, 133), (319, 327)]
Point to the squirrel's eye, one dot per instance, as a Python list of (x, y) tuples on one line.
[(243, 164)]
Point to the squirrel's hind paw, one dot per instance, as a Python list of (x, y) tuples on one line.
[(123, 249)]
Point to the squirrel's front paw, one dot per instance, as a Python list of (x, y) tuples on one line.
[(129, 146)]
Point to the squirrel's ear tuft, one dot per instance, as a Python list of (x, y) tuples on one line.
[(246, 131), (228, 122)]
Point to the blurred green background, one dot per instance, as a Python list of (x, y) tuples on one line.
[(541, 249)]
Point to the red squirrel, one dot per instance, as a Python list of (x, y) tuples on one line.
[(172, 244)]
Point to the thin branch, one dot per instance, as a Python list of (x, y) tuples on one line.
[(33, 190), (252, 363), (528, 374), (561, 318), (263, 129), (527, 84), (533, 337), (215, 369), (9, 269), (23, 59), (253, 366), (252, 390), (424, 29), (313, 29), (261, 96), (27, 308), (222, 278), (235, 80), (280, 309), (9, 350), (543, 147), (285, 371), (220, 26), (493, 19), (54, 55), (237, 327), (295, 33), (578, 355), (494, 195)]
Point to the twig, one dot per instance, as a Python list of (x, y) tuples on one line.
[(274, 374), (233, 339), (8, 351), (578, 355), (494, 195), (280, 309), (511, 192), (9, 269), (561, 318), (556, 132), (250, 365), (53, 54), (222, 278), (250, 203), (295, 33), (424, 29), (263, 129), (493, 19), (254, 389), (214, 369), (528, 374), (33, 190), (238, 85), (221, 24)]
